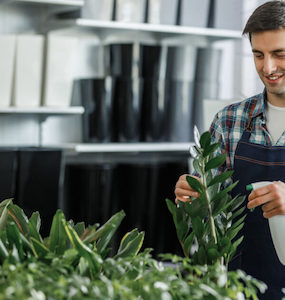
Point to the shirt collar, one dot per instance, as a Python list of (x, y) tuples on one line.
[(261, 103)]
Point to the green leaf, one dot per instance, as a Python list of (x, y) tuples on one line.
[(197, 208), (195, 184), (34, 226), (27, 246), (182, 229), (239, 221), (80, 228), (224, 245), (235, 245), (3, 251), (215, 162), (198, 227), (83, 266), (213, 254), (14, 239), (205, 139), (70, 256), (4, 216), (188, 242), (171, 206), (128, 237), (19, 217), (57, 236), (197, 166), (113, 222), (40, 250), (35, 219), (94, 260), (224, 192), (238, 200), (219, 205), (237, 213), (106, 232), (179, 218), (4, 203), (202, 257), (211, 149), (130, 244), (221, 178), (233, 231), (213, 190)]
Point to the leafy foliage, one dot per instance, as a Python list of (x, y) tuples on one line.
[(207, 226), (74, 261), (20, 238)]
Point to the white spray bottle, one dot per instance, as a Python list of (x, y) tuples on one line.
[(276, 225)]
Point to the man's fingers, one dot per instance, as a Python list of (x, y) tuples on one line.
[(180, 193), (271, 188), (271, 213), (269, 206), (183, 185), (258, 201), (183, 199)]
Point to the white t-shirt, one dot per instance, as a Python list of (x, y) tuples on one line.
[(275, 121)]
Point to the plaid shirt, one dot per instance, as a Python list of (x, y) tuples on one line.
[(229, 124)]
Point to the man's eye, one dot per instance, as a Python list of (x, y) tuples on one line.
[(281, 55), (258, 55)]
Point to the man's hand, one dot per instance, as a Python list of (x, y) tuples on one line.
[(271, 197), (183, 191)]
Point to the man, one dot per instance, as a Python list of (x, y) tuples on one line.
[(251, 134)]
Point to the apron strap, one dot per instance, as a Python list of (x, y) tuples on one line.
[(249, 124)]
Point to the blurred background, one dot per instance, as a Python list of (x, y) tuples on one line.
[(98, 100)]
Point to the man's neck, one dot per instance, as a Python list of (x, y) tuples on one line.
[(276, 100)]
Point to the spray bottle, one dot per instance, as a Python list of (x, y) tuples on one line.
[(276, 225)]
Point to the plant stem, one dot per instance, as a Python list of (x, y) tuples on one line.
[(182, 245), (212, 223)]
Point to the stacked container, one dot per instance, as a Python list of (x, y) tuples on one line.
[(179, 89)]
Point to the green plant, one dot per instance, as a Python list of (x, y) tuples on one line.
[(207, 226), (74, 261), (20, 239)]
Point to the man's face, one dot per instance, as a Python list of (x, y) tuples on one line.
[(268, 48)]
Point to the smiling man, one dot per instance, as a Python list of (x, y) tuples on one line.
[(252, 135)]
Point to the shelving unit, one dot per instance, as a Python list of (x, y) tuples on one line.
[(75, 3), (108, 28), (43, 110), (137, 31), (124, 152), (128, 147)]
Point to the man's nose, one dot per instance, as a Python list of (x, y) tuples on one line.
[(269, 66)]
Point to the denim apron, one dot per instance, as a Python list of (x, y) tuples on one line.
[(256, 254)]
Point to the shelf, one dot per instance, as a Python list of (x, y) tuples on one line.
[(76, 3), (43, 110), (127, 147), (161, 31)]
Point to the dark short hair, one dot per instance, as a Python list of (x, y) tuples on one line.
[(268, 16)]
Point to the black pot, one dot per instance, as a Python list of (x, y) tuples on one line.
[(155, 111), (8, 169), (97, 118), (38, 183), (150, 60), (126, 109), (119, 59)]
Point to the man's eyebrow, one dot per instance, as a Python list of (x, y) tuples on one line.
[(256, 51), (279, 50), (273, 51)]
